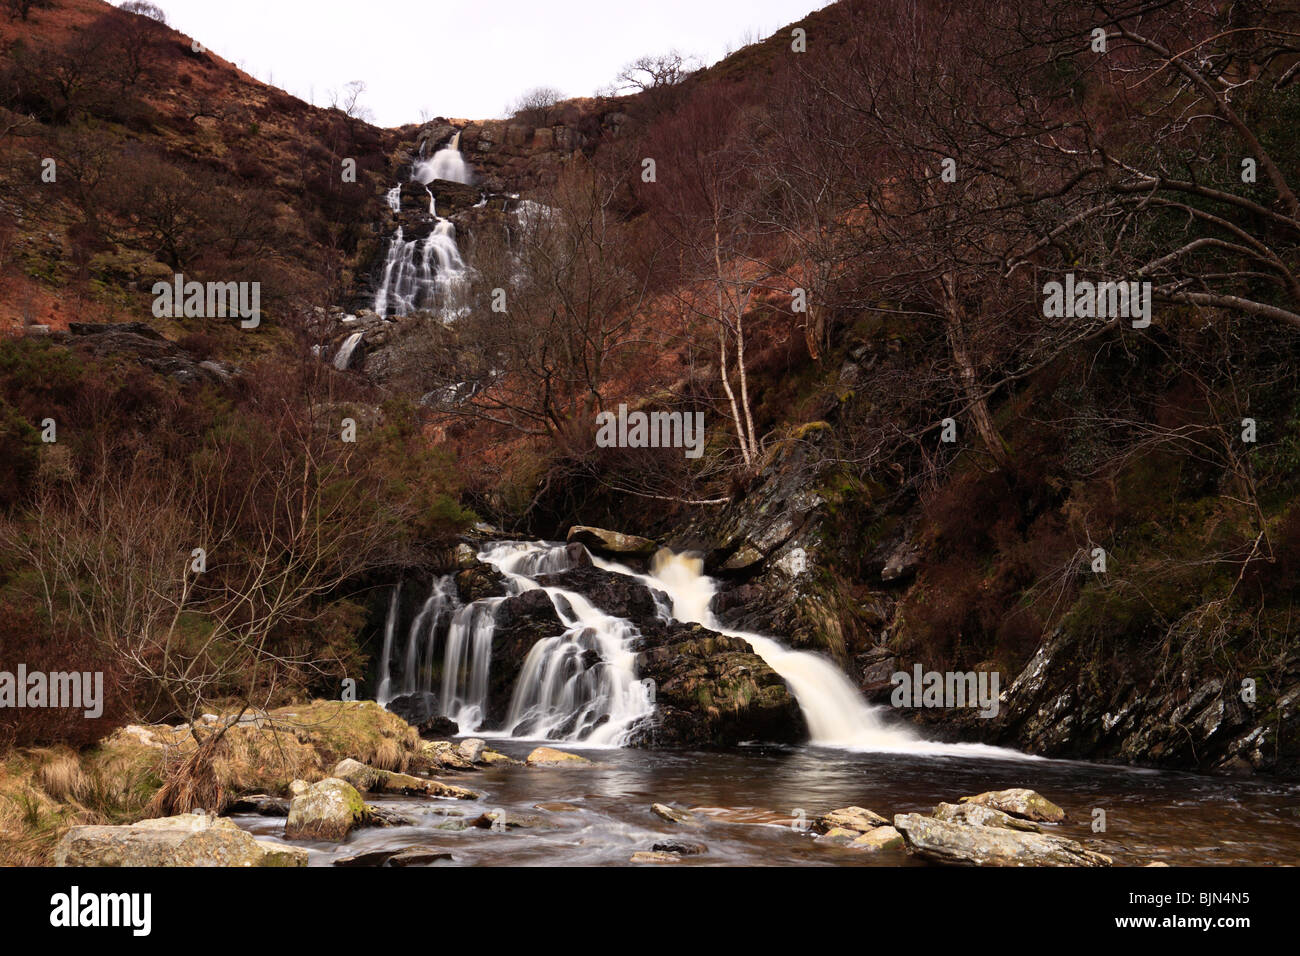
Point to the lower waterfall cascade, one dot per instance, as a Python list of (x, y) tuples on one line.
[(581, 685)]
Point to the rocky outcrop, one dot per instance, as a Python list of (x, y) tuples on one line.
[(191, 839), (147, 346), (711, 690)]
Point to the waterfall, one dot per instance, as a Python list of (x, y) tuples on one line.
[(578, 685), (447, 163), (581, 684), (394, 199), (342, 360), (836, 713), (424, 273), (384, 695)]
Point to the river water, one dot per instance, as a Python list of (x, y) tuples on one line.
[(750, 801)]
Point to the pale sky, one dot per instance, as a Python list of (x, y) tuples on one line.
[(469, 59)]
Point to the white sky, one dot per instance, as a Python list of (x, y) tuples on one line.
[(467, 59)]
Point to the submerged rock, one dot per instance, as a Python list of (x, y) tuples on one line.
[(680, 847), (961, 844), (327, 810), (672, 814), (550, 757), (655, 856), (191, 839), (1020, 802)]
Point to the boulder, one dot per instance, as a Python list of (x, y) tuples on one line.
[(327, 810), (191, 839), (550, 757), (711, 690), (421, 711), (841, 836), (1020, 802), (960, 844), (472, 749), (612, 543), (853, 818), (259, 803)]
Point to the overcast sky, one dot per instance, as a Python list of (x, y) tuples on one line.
[(468, 59)]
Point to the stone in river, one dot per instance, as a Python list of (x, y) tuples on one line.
[(961, 844), (853, 818), (672, 814), (1020, 802), (550, 757), (654, 856)]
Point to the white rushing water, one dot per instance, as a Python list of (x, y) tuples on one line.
[(344, 357), (837, 714), (581, 684), (578, 685), (447, 163)]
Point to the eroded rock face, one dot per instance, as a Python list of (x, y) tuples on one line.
[(327, 810), (960, 844), (191, 839)]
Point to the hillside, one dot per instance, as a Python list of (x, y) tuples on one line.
[(991, 326)]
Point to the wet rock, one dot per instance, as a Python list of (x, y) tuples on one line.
[(381, 816), (879, 838), (654, 856), (550, 757), (480, 581), (410, 856), (259, 803), (1020, 802), (959, 844), (840, 836), (472, 749), (511, 820), (672, 814), (979, 815), (680, 847), (445, 755), (616, 594), (711, 690), (418, 856), (327, 810), (191, 839), (492, 758), (612, 543), (385, 781), (557, 807), (421, 711), (853, 818)]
